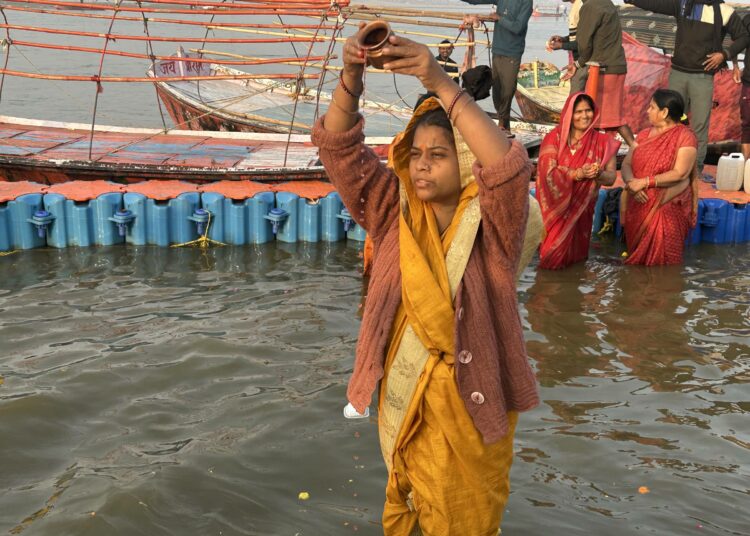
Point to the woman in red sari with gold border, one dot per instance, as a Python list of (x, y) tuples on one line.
[(660, 205), (574, 160)]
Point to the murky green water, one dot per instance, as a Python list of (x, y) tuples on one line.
[(162, 391)]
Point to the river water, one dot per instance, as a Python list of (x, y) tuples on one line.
[(177, 391)]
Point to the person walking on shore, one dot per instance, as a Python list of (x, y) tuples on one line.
[(508, 43), (699, 54)]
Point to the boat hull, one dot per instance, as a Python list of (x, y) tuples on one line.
[(50, 152), (187, 116)]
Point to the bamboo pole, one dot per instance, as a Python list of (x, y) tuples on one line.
[(254, 61), (85, 15), (286, 62), (71, 78), (122, 37), (361, 8)]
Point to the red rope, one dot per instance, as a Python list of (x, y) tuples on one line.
[(216, 11), (106, 79), (82, 14), (268, 61), (122, 37)]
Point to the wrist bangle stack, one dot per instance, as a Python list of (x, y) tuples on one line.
[(454, 101), (346, 89)]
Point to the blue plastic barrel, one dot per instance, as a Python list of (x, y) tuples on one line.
[(332, 228), (736, 222), (83, 223), (356, 233), (22, 233), (5, 240), (694, 236), (235, 221), (214, 203), (259, 229), (309, 222), (180, 209), (137, 231), (714, 221), (288, 202)]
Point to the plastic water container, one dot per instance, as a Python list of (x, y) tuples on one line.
[(747, 176), (730, 172)]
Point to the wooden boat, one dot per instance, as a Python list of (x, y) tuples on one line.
[(257, 105), (50, 152)]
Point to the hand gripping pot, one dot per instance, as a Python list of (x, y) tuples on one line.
[(372, 38)]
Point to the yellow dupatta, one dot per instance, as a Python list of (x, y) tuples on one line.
[(424, 321), (422, 417)]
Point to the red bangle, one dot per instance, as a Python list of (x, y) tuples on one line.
[(346, 89), (454, 101)]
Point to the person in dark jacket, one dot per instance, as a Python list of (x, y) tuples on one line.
[(699, 54), (743, 77), (445, 49), (569, 43), (508, 43), (599, 41)]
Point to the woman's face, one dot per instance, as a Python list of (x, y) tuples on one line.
[(433, 166), (656, 115), (583, 114)]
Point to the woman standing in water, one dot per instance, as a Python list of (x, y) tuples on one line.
[(659, 205), (441, 330), (574, 160)]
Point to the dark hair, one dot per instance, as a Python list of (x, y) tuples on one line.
[(672, 101), (445, 42), (584, 97), (435, 118)]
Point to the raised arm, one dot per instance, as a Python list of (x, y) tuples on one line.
[(502, 169), (488, 143), (368, 188)]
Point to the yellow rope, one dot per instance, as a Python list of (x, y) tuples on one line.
[(202, 241), (6, 253), (606, 227)]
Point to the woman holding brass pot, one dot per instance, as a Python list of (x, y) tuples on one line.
[(441, 336)]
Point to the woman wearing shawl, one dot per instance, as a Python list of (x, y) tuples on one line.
[(660, 205), (441, 330), (574, 161)]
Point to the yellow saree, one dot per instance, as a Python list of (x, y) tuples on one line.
[(442, 478)]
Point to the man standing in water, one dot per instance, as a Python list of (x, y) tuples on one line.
[(508, 43), (569, 43), (599, 39), (699, 54)]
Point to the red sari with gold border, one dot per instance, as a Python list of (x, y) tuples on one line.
[(567, 204), (655, 231)]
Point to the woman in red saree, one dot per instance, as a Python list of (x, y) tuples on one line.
[(660, 205), (574, 161)]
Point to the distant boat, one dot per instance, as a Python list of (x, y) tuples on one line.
[(256, 105), (549, 11), (50, 152)]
